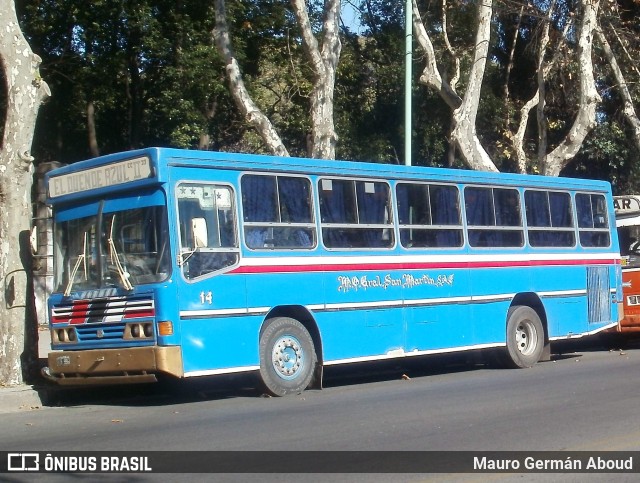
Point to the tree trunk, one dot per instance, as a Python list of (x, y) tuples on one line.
[(589, 97), (210, 108), (464, 132), (431, 75), (324, 62), (25, 92), (465, 110), (517, 139), (252, 114), (455, 77), (512, 53)]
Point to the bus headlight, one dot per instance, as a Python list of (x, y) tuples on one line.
[(64, 336), (139, 330)]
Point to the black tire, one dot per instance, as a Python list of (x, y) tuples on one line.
[(525, 337), (287, 357)]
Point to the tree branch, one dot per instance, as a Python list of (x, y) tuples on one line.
[(252, 114), (589, 97), (464, 133), (629, 109), (431, 75)]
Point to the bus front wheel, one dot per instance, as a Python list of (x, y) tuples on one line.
[(525, 337), (287, 357)]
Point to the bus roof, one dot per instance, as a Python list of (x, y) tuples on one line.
[(163, 158)]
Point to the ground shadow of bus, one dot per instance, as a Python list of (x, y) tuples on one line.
[(168, 391)]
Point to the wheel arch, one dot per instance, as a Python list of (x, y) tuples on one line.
[(306, 318)]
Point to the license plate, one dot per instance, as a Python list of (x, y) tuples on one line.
[(63, 361)]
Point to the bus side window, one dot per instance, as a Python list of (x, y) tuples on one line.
[(355, 214), (493, 217), (591, 210), (507, 203), (549, 218), (278, 212), (429, 215)]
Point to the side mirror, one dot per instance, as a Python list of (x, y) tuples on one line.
[(199, 231)]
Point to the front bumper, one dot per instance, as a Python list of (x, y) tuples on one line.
[(113, 366)]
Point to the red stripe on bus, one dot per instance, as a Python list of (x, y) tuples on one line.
[(367, 267)]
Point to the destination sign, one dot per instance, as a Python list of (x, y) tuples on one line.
[(100, 177)]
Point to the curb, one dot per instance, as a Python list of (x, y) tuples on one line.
[(26, 397), (19, 398)]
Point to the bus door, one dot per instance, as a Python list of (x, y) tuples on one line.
[(212, 297)]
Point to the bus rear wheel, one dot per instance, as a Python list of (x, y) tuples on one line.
[(525, 337), (287, 357)]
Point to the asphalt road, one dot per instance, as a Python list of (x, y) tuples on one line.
[(586, 399)]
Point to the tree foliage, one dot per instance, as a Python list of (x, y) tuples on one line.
[(149, 73)]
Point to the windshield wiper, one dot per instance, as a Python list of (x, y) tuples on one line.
[(82, 259), (115, 259)]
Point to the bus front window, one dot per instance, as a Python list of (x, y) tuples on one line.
[(127, 248), (75, 255)]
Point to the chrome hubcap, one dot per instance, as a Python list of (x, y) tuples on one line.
[(287, 357), (526, 337)]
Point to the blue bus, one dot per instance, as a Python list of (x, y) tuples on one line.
[(192, 263)]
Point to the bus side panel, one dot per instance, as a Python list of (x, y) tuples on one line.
[(355, 334), (437, 327), (561, 290), (564, 295), (267, 290), (216, 332), (216, 344), (492, 290), (437, 310), (362, 317)]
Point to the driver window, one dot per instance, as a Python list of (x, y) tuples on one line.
[(207, 223)]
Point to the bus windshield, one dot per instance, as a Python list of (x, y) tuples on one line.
[(116, 249)]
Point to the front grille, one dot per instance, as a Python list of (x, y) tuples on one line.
[(93, 333), (103, 310)]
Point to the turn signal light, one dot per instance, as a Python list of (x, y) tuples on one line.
[(165, 327)]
